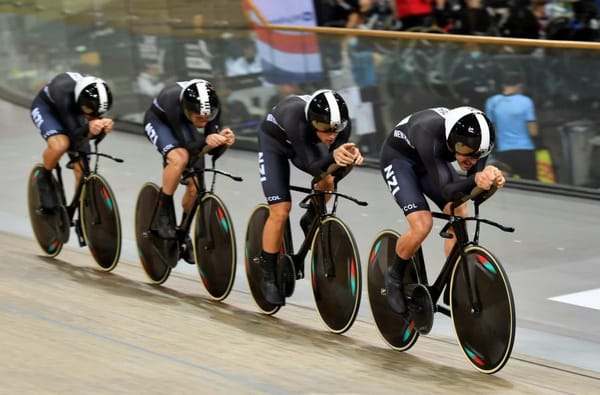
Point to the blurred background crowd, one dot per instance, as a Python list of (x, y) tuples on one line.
[(388, 58)]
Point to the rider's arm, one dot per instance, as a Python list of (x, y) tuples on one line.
[(439, 169), (310, 156), (65, 107)]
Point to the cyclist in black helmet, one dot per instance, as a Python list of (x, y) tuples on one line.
[(67, 109), (182, 120), (312, 132), (416, 161)]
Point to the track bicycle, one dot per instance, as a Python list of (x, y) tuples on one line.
[(334, 263), (213, 248), (477, 295), (93, 210)]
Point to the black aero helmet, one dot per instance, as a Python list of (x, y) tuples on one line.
[(469, 132), (199, 97), (326, 110), (93, 96)]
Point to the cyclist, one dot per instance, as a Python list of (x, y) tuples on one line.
[(415, 162), (66, 110), (312, 132), (182, 120)]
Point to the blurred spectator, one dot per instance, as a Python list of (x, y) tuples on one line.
[(381, 16), (445, 13), (335, 13), (283, 91), (149, 81), (513, 115), (521, 21), (474, 19), (414, 13), (247, 63)]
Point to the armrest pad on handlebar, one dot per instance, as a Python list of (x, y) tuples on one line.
[(335, 170)]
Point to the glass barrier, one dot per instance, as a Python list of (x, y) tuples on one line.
[(140, 46)]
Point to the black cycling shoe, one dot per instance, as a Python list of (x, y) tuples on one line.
[(47, 191), (165, 221), (269, 284), (188, 251), (394, 288)]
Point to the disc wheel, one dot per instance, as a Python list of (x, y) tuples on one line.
[(215, 250), (100, 222), (395, 330), (252, 250), (153, 252), (51, 229), (336, 275), (486, 330)]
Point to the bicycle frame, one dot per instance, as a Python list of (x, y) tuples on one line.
[(82, 158), (197, 177), (459, 226), (318, 197)]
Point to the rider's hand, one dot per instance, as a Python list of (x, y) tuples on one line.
[(108, 125), (229, 136), (215, 139), (346, 154), (96, 126), (489, 176), (358, 158)]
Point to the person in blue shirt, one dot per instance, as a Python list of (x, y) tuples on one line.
[(513, 115)]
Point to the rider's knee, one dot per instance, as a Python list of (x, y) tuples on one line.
[(420, 223), (58, 144), (178, 158), (279, 212)]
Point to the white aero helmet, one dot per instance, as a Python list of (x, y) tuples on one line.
[(93, 96), (469, 132)]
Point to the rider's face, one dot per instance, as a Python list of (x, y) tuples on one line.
[(466, 161), (325, 132), (197, 120)]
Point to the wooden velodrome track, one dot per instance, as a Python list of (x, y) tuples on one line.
[(67, 327)]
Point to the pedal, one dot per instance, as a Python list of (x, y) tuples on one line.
[(186, 251)]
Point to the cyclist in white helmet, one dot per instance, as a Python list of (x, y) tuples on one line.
[(66, 110), (311, 132), (416, 161), (183, 118)]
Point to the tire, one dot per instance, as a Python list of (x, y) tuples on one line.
[(214, 247), (252, 249), (149, 246), (396, 332), (49, 229), (100, 222), (486, 337), (337, 298)]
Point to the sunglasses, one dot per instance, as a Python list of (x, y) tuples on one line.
[(327, 129), (466, 151)]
